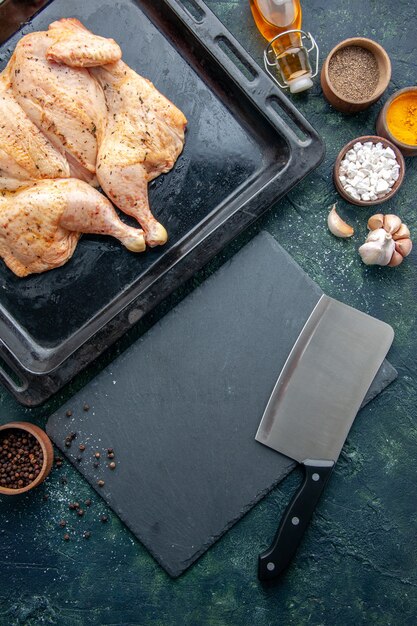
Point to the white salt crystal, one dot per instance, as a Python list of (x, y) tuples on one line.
[(386, 174), (368, 170), (381, 186), (390, 152)]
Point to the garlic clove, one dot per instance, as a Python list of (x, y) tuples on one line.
[(376, 221), (392, 223), (396, 259), (402, 232), (404, 246), (378, 248), (337, 226)]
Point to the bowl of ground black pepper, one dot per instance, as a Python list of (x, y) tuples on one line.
[(355, 74), (26, 457)]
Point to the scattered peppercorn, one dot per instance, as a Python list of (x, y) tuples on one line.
[(82, 447), (110, 450), (21, 458), (86, 407), (76, 505), (104, 519), (110, 455), (100, 483), (71, 506), (112, 465), (66, 537), (97, 455), (72, 436), (80, 512), (62, 523), (68, 413), (68, 443), (86, 534), (88, 502)]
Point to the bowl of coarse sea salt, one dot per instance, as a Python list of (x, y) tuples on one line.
[(368, 170)]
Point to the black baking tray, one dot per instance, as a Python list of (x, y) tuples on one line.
[(246, 146)]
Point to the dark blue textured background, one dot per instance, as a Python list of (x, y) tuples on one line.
[(358, 563)]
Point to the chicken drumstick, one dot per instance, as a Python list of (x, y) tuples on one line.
[(40, 225)]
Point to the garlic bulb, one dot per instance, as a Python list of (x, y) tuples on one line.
[(378, 248), (337, 226), (388, 243)]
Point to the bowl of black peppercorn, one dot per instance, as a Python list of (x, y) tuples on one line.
[(26, 457)]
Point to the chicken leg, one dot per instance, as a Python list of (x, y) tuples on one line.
[(40, 225)]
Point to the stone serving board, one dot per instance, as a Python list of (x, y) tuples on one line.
[(182, 405)]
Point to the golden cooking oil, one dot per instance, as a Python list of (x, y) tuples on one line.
[(274, 17)]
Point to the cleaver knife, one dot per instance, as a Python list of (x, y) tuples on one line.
[(312, 407)]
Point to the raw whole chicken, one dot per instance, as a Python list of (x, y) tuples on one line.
[(40, 225), (101, 121)]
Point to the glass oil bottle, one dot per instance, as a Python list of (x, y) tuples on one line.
[(279, 21)]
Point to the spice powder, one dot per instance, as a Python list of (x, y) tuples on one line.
[(354, 73), (402, 118)]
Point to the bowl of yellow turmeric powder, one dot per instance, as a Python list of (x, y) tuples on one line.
[(397, 120)]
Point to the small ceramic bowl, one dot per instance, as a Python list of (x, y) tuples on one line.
[(395, 187), (382, 126), (47, 450), (339, 101)]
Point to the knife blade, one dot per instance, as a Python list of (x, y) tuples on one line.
[(312, 408)]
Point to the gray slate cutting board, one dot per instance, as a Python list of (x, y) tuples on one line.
[(182, 405)]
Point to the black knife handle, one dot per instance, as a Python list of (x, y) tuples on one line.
[(295, 520)]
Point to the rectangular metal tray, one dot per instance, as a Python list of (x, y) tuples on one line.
[(246, 146)]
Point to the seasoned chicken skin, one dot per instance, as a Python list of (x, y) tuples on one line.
[(76, 46), (143, 137), (25, 153), (65, 103), (40, 225)]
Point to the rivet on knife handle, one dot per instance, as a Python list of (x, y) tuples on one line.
[(274, 561)]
